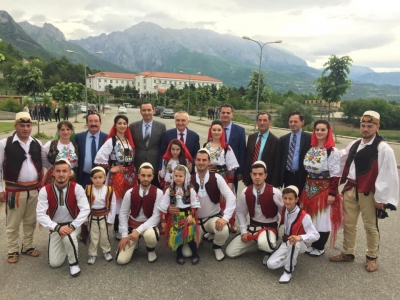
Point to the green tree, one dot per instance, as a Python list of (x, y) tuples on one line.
[(64, 92), (252, 89), (11, 105), (203, 97), (333, 83), (27, 80), (222, 94), (290, 106)]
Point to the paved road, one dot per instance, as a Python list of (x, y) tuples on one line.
[(241, 278)]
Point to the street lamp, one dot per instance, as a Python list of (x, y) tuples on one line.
[(259, 70), (85, 57), (198, 73)]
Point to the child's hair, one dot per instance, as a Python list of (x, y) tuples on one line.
[(289, 191), (181, 157), (94, 171), (182, 169)]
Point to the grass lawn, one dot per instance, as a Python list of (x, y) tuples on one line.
[(388, 135), (6, 126)]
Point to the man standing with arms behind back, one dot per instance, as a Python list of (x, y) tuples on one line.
[(147, 135), (294, 147)]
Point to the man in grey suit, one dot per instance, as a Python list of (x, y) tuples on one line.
[(147, 135)]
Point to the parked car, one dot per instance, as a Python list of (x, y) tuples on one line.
[(158, 110), (107, 106), (83, 108), (128, 105), (122, 110), (167, 113)]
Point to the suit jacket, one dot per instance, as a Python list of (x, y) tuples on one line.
[(81, 141), (192, 143), (305, 144), (271, 155), (237, 141), (151, 153)]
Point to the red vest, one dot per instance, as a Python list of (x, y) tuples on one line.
[(91, 198), (70, 199), (211, 187), (297, 226), (268, 206), (147, 202)]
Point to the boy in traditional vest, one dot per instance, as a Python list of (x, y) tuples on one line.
[(298, 230), (102, 202), (262, 202)]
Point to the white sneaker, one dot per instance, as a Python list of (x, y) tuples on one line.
[(108, 257), (219, 255), (317, 252), (91, 260), (211, 237), (285, 278), (309, 249), (75, 270), (151, 256), (265, 260)]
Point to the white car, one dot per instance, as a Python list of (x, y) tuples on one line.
[(122, 110), (83, 108), (107, 106)]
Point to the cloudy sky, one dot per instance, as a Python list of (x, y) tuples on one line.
[(366, 30)]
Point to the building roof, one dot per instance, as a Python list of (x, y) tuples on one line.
[(181, 76), (114, 75)]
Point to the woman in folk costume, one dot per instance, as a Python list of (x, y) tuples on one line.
[(320, 197), (62, 147), (117, 156), (223, 160), (181, 227), (176, 154)]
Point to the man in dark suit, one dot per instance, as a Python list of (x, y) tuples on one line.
[(84, 141), (269, 151), (294, 147), (190, 138), (236, 138), (147, 135)]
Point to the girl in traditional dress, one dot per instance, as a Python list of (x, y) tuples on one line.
[(176, 154), (223, 160), (181, 227), (117, 156), (320, 197), (62, 147)]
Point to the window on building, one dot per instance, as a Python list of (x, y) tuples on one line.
[(155, 87), (99, 80), (110, 81), (122, 82), (155, 81), (105, 80), (144, 80), (138, 84), (144, 86)]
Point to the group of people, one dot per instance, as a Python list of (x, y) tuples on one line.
[(213, 113), (154, 183), (42, 112)]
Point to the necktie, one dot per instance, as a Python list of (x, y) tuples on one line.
[(258, 197), (61, 198), (147, 135), (181, 134), (257, 148), (226, 136), (93, 148), (290, 153), (144, 193)]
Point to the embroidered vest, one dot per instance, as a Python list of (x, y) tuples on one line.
[(147, 202), (268, 206), (211, 187), (70, 199), (91, 197), (297, 226), (366, 163), (15, 155)]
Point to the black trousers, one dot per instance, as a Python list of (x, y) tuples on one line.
[(192, 246), (323, 238)]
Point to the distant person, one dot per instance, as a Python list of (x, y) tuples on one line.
[(294, 147), (66, 112), (147, 135), (57, 114), (47, 112), (217, 112), (26, 108), (42, 112)]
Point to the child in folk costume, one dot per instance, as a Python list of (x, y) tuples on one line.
[(176, 154), (181, 227), (298, 230), (102, 203)]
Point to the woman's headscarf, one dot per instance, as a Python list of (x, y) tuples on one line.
[(329, 141), (127, 133), (223, 138), (187, 175), (168, 155)]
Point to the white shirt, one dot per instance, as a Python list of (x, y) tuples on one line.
[(387, 182), (178, 135), (311, 234), (125, 214), (62, 214), (242, 209), (100, 202), (65, 151), (28, 171), (166, 200), (209, 208)]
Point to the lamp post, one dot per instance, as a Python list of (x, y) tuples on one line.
[(198, 73), (259, 69), (85, 57)]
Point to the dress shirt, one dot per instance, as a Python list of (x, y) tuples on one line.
[(178, 135), (125, 214), (28, 171), (263, 142), (88, 163), (311, 234), (228, 131), (296, 154), (62, 214), (209, 208), (100, 202), (242, 209), (144, 128)]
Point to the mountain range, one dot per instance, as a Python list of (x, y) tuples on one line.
[(149, 47)]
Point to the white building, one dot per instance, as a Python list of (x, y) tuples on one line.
[(149, 82)]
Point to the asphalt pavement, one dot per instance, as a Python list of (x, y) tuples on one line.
[(240, 278)]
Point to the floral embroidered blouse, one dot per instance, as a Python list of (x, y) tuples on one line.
[(317, 161), (64, 151), (168, 169), (219, 158)]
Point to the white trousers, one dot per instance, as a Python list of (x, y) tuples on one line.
[(150, 236), (98, 235), (266, 242), (59, 248), (209, 226), (286, 256)]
